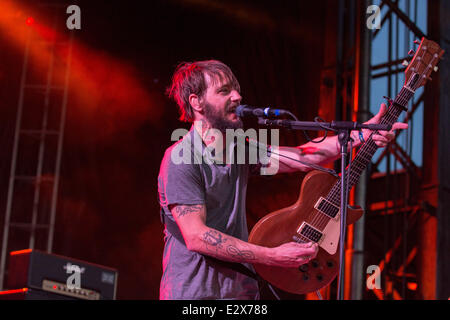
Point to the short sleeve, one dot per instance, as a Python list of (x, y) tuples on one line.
[(179, 183)]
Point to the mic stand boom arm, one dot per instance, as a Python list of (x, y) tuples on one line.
[(319, 126)]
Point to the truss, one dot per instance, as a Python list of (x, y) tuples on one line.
[(37, 148), (394, 211)]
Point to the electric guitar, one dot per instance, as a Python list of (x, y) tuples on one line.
[(316, 214)]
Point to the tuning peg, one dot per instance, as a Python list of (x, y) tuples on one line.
[(405, 63), (411, 52), (436, 68), (417, 42)]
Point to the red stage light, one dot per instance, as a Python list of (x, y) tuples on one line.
[(20, 252), (412, 286), (14, 291), (30, 21)]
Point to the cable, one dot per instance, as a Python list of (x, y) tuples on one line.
[(316, 119), (305, 163)]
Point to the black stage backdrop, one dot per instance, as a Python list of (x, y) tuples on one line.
[(119, 122)]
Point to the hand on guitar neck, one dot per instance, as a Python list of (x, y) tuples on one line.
[(381, 138)]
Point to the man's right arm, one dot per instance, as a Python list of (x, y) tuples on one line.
[(205, 240)]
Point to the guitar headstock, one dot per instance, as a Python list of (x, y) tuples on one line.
[(424, 62)]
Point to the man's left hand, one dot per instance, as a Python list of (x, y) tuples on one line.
[(383, 137)]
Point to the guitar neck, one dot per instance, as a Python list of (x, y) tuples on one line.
[(368, 149)]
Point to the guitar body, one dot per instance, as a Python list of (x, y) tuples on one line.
[(280, 226)]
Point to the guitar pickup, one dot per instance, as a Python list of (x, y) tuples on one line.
[(327, 208), (309, 232)]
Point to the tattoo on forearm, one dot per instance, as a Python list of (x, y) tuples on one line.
[(214, 241), (245, 254), (184, 210)]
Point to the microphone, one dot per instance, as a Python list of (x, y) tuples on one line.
[(243, 111)]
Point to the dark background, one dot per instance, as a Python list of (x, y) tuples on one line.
[(107, 207)]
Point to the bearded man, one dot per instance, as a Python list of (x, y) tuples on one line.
[(203, 202)]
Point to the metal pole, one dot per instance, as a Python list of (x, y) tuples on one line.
[(59, 150), (443, 217), (343, 140), (358, 272), (339, 115), (42, 138), (13, 163)]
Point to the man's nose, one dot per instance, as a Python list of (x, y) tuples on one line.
[(235, 96)]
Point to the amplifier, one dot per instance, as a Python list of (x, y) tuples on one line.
[(31, 294), (55, 274)]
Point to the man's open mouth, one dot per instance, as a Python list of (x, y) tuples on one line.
[(232, 110)]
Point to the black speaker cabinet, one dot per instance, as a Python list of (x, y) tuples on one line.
[(48, 276)]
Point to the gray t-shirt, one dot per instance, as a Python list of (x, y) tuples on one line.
[(222, 188)]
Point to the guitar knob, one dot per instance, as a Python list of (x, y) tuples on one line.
[(319, 277), (305, 277), (314, 263), (303, 267), (405, 63), (330, 264)]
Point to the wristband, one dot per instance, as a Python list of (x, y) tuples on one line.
[(361, 137)]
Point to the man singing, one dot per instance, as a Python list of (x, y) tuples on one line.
[(203, 202)]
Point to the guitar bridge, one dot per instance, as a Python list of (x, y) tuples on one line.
[(327, 208), (309, 232)]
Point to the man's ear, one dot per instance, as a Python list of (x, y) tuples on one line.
[(195, 102)]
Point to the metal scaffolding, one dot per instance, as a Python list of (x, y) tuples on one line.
[(392, 191), (394, 205), (37, 148)]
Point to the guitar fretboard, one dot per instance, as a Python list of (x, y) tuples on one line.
[(368, 149)]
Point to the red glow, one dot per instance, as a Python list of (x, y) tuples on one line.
[(14, 291), (412, 286), (54, 287), (96, 77), (45, 32), (30, 21), (308, 150), (20, 252)]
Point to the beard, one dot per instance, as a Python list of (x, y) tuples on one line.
[(218, 120)]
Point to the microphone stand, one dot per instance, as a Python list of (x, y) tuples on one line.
[(343, 128)]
